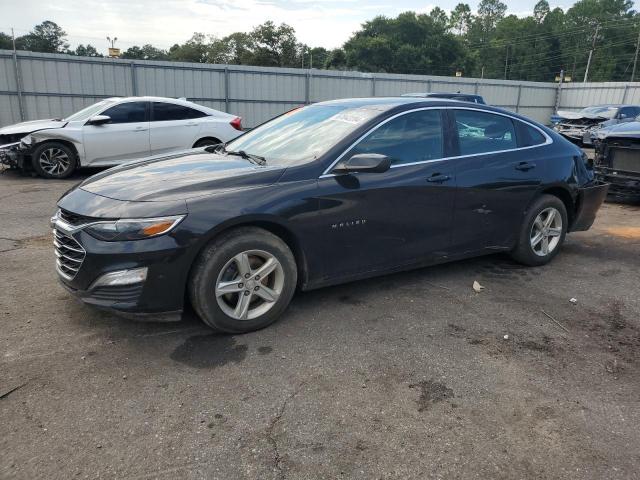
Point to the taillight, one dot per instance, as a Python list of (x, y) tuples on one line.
[(236, 123)]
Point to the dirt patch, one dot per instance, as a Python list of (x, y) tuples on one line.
[(209, 351), (431, 392), (625, 232)]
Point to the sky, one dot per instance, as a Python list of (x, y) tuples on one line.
[(323, 23)]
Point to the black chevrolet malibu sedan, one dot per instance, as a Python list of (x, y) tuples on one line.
[(328, 193)]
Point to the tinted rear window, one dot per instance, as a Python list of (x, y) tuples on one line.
[(163, 112)]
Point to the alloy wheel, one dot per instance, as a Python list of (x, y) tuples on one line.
[(546, 232), (249, 284), (54, 161)]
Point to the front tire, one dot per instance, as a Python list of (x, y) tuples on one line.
[(243, 280), (542, 232), (54, 160)]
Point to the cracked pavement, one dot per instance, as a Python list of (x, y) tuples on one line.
[(399, 377)]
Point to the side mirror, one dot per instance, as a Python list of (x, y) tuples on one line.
[(365, 163), (99, 120)]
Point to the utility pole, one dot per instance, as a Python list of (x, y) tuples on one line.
[(635, 58), (506, 63), (593, 46), (482, 73)]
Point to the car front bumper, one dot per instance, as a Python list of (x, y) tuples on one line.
[(81, 260), (589, 201), (622, 183)]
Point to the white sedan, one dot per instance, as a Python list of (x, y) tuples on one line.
[(114, 131)]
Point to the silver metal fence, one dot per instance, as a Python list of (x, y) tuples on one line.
[(40, 85)]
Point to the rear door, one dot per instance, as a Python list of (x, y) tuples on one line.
[(399, 217), (174, 127), (498, 173), (125, 137)]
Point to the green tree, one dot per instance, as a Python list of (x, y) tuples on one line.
[(146, 52), (275, 46), (195, 50), (541, 10), (6, 42), (460, 18), (85, 51), (336, 60), (46, 37)]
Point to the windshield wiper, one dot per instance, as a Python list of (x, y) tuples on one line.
[(222, 148)]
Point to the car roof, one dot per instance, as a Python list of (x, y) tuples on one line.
[(177, 101)]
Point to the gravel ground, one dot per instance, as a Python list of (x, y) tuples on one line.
[(405, 376)]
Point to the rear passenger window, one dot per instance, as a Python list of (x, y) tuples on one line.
[(413, 137), (169, 111), (483, 132), (529, 136)]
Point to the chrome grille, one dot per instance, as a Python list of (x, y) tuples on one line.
[(69, 254)]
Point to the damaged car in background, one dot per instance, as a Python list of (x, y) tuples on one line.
[(113, 131), (617, 159), (579, 127)]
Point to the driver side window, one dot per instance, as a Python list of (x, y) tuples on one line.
[(409, 138)]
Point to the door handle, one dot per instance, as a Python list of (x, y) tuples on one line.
[(525, 166), (438, 178), (140, 129), (192, 124)]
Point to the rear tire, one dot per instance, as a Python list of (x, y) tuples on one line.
[(54, 160), (243, 280), (542, 232)]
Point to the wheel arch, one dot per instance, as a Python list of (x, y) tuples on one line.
[(207, 137), (272, 225), (567, 199), (67, 143)]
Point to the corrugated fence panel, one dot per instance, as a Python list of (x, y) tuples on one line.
[(7, 75), (9, 109), (55, 85), (389, 88), (579, 96), (266, 86), (49, 106), (329, 87), (176, 81)]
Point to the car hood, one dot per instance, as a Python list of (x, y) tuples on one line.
[(180, 176), (626, 129), (32, 126), (567, 115)]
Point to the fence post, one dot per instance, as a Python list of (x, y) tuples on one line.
[(518, 101), (429, 85), (307, 81), (134, 86), (226, 89), (373, 84), (624, 95), (559, 91), (18, 86)]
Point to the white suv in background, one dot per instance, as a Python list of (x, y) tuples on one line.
[(114, 131)]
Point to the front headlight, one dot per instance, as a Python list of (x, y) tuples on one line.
[(133, 229)]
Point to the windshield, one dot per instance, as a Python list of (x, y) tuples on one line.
[(302, 134), (601, 111), (89, 111)]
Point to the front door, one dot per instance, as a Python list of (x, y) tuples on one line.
[(125, 137), (374, 221)]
